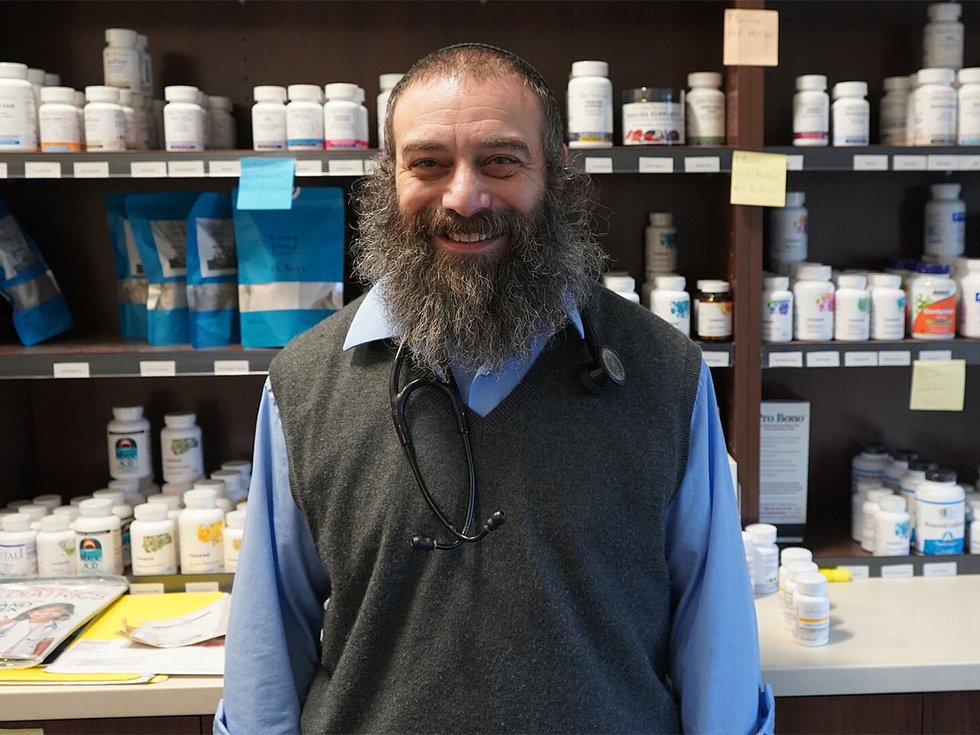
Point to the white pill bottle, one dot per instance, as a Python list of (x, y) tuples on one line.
[(813, 304), (201, 528), (269, 118), (234, 530), (130, 449), (56, 555), (811, 111), (940, 514), (705, 109), (181, 448), (304, 117), (98, 538), (183, 119), (942, 37), (18, 109), (387, 83), (590, 105), (152, 537)]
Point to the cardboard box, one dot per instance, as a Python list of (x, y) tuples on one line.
[(783, 464)]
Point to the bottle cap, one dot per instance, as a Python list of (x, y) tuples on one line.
[(850, 89), (116, 497), (219, 103), (941, 475), (58, 95), (151, 512), (970, 75), (53, 523), (177, 489), (35, 76), (122, 511), (95, 507), (851, 280), (811, 583), (651, 94), (796, 567), (747, 541), (670, 283), (892, 504), (340, 91), (618, 282), (939, 76), (34, 512), (704, 79), (217, 486), (795, 198), (179, 420), (204, 497), (811, 83), (181, 93), (874, 450), (590, 69), (922, 465), (876, 494), (243, 465), (661, 219), (885, 280), (127, 486), (269, 93), (16, 522), (935, 269), (897, 84), (944, 12), (945, 191), (12, 70), (795, 553), (102, 94), (235, 519), (231, 478), (709, 286), (127, 413), (125, 97), (120, 37), (775, 283), (304, 93), (360, 96), (763, 534), (388, 81), (903, 455), (171, 502), (813, 272), (50, 501)]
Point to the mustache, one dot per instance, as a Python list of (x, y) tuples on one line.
[(489, 223)]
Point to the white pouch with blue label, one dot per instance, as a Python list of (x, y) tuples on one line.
[(40, 311), (159, 223), (212, 272), (130, 278), (290, 265)]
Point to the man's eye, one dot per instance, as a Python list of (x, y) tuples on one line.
[(424, 163), (502, 166)]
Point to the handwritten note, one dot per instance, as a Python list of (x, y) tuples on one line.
[(938, 385), (758, 179), (266, 183), (751, 38)]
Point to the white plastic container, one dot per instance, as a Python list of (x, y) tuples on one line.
[(705, 109), (98, 538), (201, 527), (653, 116), (56, 555), (219, 488), (68, 511), (58, 121), (183, 119), (202, 102), (893, 110), (387, 83), (932, 303), (234, 529), (222, 124), (813, 304), (887, 306), (49, 501), (777, 309), (152, 535), (968, 288), (124, 512), (121, 63), (909, 484), (911, 131), (672, 303), (766, 556), (811, 111), (852, 309), (364, 129), (661, 243), (130, 449), (787, 589), (897, 468), (342, 117), (51, 79), (181, 448), (713, 311), (269, 118), (935, 107), (939, 514), (812, 610), (789, 229), (968, 107), (590, 105), (243, 466), (892, 533), (105, 122), (945, 222), (172, 502), (851, 113), (622, 284), (233, 484), (942, 37), (858, 498), (749, 547), (18, 547), (34, 512), (129, 116), (869, 516), (18, 109), (304, 118)]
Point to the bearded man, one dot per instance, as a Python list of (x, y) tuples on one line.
[(573, 561)]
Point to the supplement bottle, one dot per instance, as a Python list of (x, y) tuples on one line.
[(621, 284), (777, 309), (897, 468), (942, 37), (894, 110), (887, 306), (142, 121), (869, 513), (891, 528), (788, 587), (146, 65), (811, 111), (18, 109), (172, 502), (68, 511), (935, 107), (968, 288), (202, 103), (105, 122), (18, 546), (661, 243), (932, 303), (812, 610), (852, 309), (124, 512), (34, 512), (130, 451), (672, 303), (939, 514), (789, 230), (183, 119), (791, 554), (713, 312), (705, 109), (813, 304), (342, 117), (233, 484), (152, 535), (851, 113), (244, 467), (269, 118), (945, 222), (304, 118), (364, 128), (858, 496), (50, 501), (201, 527), (222, 124), (131, 490), (129, 118), (98, 538), (121, 62), (766, 557), (52, 80), (590, 105), (387, 83), (968, 107), (909, 484), (181, 448), (80, 107), (219, 488), (234, 529), (59, 122), (56, 556), (653, 116), (749, 546)]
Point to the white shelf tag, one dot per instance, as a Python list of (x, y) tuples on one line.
[(3, 170), (146, 588), (940, 569), (231, 169), (858, 571), (785, 359), (598, 165), (969, 163), (909, 163), (71, 370), (201, 587), (158, 368), (830, 358), (185, 169), (42, 170), (716, 359), (870, 163), (860, 359), (91, 169), (935, 354), (702, 165), (231, 367), (148, 169), (656, 165), (897, 571), (943, 163), (794, 163), (370, 165), (894, 358), (309, 167), (346, 167)]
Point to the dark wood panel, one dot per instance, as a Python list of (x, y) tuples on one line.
[(190, 725), (950, 712), (891, 714)]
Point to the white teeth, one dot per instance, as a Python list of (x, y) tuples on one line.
[(468, 237)]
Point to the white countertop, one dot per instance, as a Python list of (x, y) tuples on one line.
[(887, 635)]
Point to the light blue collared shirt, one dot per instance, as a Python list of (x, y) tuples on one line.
[(271, 655)]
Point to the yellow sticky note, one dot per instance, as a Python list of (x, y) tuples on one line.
[(758, 179), (751, 38), (938, 385)]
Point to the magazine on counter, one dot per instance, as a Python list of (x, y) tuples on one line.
[(36, 615)]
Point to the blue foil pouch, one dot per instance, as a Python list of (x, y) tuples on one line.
[(159, 223), (290, 265), (212, 272), (40, 311), (130, 277)]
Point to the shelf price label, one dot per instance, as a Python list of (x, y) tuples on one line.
[(3, 170), (939, 569), (794, 162), (861, 359), (826, 358), (309, 167), (716, 359), (231, 367), (230, 169), (598, 165), (897, 571), (785, 359), (91, 169), (940, 162), (148, 169), (656, 165), (158, 368), (346, 167), (702, 164), (894, 358), (908, 163), (71, 370), (42, 170), (185, 169), (870, 163)]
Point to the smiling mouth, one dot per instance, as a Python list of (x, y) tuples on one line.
[(469, 238)]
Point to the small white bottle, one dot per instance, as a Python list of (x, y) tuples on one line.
[(940, 514), (234, 530), (887, 306), (813, 304), (791, 554), (364, 129), (852, 309), (121, 64), (171, 502), (387, 83), (181, 446), (777, 309), (894, 111), (789, 228), (183, 119), (968, 308), (908, 484), (749, 546), (52, 80), (152, 534), (219, 488), (18, 109), (812, 610), (130, 449), (201, 527), (766, 556), (124, 512), (942, 37), (622, 284), (233, 484), (68, 511), (269, 118), (129, 118), (860, 529), (590, 105), (56, 555), (787, 589), (304, 118), (811, 111), (58, 121), (945, 222), (18, 546), (935, 107), (891, 534), (342, 117), (851, 114), (49, 501), (661, 243), (222, 124), (672, 303), (98, 538), (705, 109), (932, 303), (968, 107), (897, 468), (105, 122), (243, 466), (202, 103), (34, 512)]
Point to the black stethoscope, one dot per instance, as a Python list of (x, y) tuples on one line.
[(604, 367)]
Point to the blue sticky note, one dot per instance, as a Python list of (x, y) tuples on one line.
[(266, 183)]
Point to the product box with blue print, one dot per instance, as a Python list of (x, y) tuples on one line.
[(784, 454)]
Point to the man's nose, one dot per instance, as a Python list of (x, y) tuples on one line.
[(466, 191)]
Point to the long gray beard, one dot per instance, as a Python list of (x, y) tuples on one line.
[(477, 311)]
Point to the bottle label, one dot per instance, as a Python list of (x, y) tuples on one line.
[(18, 560), (706, 120), (653, 123), (777, 320), (91, 554), (17, 127), (940, 527), (715, 319), (931, 317), (589, 117)]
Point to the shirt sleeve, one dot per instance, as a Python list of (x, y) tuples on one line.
[(714, 646), (280, 586)]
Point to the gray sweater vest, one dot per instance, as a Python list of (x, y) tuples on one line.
[(557, 622)]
